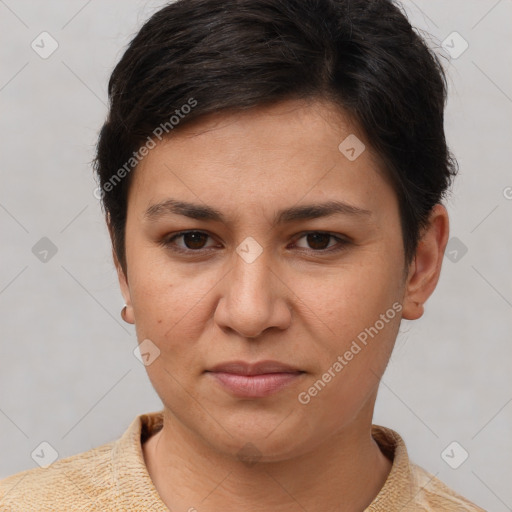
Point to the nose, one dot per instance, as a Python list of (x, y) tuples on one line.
[(254, 297)]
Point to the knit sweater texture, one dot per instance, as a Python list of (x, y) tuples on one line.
[(114, 477)]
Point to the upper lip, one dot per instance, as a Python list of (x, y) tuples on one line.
[(258, 368)]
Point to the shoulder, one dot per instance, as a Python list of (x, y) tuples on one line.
[(433, 494), (409, 486), (73, 483), (111, 477)]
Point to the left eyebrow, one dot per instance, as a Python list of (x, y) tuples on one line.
[(315, 211), (288, 215)]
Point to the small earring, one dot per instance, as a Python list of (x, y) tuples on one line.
[(123, 314)]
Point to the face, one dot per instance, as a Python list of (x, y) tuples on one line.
[(269, 274)]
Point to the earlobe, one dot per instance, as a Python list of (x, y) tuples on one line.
[(127, 311), (425, 268)]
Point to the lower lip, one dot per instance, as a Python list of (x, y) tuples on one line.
[(255, 386)]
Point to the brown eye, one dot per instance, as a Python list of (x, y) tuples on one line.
[(319, 241), (194, 240)]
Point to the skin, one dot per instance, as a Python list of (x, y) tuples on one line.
[(295, 303)]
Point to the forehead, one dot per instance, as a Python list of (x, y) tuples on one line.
[(286, 152)]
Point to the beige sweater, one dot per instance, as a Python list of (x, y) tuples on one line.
[(114, 477)]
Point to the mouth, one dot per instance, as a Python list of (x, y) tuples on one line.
[(254, 380)]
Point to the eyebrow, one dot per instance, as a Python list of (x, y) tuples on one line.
[(288, 215)]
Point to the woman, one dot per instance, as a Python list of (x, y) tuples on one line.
[(272, 175)]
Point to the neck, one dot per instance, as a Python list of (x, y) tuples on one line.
[(347, 470)]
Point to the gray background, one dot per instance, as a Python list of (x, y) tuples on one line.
[(68, 375)]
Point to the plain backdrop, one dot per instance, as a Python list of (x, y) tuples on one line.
[(68, 375)]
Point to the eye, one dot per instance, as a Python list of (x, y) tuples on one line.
[(194, 241), (318, 241)]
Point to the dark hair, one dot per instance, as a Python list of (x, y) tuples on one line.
[(222, 55)]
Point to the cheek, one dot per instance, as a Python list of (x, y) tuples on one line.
[(361, 330), (363, 318), (357, 316), (170, 302), (352, 298)]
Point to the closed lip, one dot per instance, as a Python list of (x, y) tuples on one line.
[(257, 368)]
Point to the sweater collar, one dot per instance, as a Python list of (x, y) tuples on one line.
[(399, 489)]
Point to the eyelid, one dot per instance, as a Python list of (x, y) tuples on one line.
[(342, 241)]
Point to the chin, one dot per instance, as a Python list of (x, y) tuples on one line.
[(256, 438)]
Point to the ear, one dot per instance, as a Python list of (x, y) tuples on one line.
[(123, 280), (425, 268)]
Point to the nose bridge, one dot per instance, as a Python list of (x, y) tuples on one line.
[(250, 302), (252, 269)]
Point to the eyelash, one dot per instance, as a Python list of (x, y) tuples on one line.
[(167, 243)]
